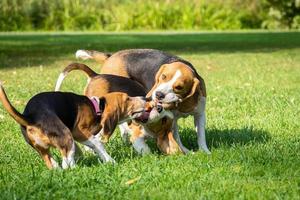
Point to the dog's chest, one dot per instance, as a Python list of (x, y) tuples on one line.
[(194, 109)]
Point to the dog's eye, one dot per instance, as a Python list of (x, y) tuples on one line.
[(163, 77), (178, 87)]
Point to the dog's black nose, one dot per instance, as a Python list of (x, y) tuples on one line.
[(159, 108), (159, 95)]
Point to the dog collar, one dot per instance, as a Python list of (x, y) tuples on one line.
[(95, 102)]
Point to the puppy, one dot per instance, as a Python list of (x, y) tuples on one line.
[(101, 84), (58, 119)]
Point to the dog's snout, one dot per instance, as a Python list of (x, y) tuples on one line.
[(159, 108), (159, 95)]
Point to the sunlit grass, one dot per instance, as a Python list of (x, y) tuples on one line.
[(253, 120)]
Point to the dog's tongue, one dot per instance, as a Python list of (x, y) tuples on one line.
[(144, 117)]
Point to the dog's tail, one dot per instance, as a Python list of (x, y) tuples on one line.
[(91, 54), (74, 66), (10, 109)]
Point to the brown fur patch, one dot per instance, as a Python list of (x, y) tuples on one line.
[(97, 87), (119, 106), (161, 131), (37, 137), (46, 156), (86, 124), (115, 65)]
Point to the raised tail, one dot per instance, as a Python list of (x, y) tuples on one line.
[(10, 109), (74, 66), (91, 54)]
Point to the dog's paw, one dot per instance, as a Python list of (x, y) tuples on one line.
[(110, 160)]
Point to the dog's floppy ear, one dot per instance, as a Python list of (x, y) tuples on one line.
[(158, 74), (109, 123), (195, 88), (102, 102)]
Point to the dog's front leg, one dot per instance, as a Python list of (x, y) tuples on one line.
[(177, 137), (125, 131), (98, 147), (200, 121), (138, 140)]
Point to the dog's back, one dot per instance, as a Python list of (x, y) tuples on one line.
[(64, 105), (106, 83), (101, 84)]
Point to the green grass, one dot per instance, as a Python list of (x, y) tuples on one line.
[(253, 129)]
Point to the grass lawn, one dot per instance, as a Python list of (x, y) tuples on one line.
[(253, 120)]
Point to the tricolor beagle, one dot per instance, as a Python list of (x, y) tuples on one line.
[(101, 84), (58, 119), (167, 78)]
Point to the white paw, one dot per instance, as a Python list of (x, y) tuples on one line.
[(145, 151), (64, 165), (55, 165), (205, 150), (110, 160), (88, 149)]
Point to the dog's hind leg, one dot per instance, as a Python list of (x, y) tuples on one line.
[(61, 137), (68, 154), (37, 138), (46, 156)]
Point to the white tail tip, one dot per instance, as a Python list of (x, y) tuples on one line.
[(82, 54), (59, 81)]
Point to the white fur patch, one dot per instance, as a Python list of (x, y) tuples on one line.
[(83, 55), (200, 121), (69, 160), (59, 81), (177, 137), (125, 131), (155, 115), (55, 165), (98, 147), (140, 146)]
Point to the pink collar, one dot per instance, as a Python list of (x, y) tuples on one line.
[(95, 102)]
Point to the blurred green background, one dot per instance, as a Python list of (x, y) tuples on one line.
[(147, 15)]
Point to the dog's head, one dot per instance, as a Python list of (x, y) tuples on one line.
[(124, 106), (118, 107), (174, 83)]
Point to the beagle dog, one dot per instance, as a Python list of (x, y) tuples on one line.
[(168, 79), (58, 119), (101, 84)]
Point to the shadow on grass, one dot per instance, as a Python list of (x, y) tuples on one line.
[(225, 138), (215, 139), (43, 49)]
